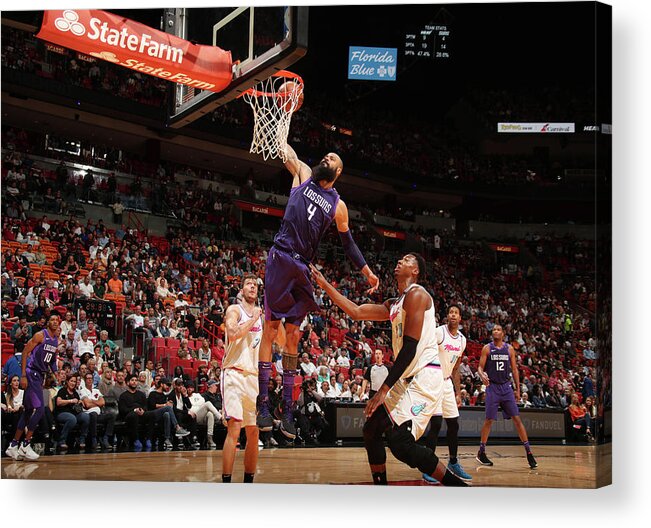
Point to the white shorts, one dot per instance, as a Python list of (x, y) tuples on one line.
[(418, 400), (239, 395), (448, 406)]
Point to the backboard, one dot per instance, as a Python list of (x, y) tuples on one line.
[(262, 40)]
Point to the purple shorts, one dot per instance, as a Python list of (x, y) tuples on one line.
[(288, 291), (501, 395), (33, 397)]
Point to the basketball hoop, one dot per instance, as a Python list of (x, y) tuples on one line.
[(273, 101)]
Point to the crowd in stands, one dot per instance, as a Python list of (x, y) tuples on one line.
[(370, 139), (173, 292)]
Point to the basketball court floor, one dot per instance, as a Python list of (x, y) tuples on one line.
[(558, 467)]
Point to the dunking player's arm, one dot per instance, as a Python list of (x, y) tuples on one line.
[(234, 330), (351, 249), (298, 169)]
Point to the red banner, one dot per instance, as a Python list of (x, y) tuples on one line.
[(133, 45), (399, 235), (505, 248), (260, 208)]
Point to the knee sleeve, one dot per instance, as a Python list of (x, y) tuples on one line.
[(453, 426), (404, 448), (373, 430)]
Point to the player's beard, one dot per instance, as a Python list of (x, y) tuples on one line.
[(323, 172)]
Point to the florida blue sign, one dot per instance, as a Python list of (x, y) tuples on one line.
[(372, 64)]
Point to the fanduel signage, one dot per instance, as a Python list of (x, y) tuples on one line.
[(133, 45), (372, 64), (349, 422)]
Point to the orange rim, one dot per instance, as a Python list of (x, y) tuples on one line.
[(281, 73)]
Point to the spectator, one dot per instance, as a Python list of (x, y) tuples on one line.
[(132, 405), (93, 402), (69, 412), (160, 405), (205, 412), (183, 410)]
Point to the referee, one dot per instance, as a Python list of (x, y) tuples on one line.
[(375, 375)]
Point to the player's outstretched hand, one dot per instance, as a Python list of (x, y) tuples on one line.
[(374, 403), (318, 276), (374, 282)]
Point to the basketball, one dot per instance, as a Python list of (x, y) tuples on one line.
[(286, 93)]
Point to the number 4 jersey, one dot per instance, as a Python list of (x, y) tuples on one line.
[(310, 211)]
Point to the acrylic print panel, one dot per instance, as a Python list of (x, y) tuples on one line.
[(475, 136)]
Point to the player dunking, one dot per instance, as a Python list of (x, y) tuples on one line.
[(240, 378), (496, 364), (39, 356), (313, 205), (414, 386), (452, 344)]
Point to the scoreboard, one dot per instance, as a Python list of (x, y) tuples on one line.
[(430, 42), (102, 312)]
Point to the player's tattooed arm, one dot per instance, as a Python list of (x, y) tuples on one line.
[(482, 365), (364, 312), (234, 330), (298, 169), (351, 249)]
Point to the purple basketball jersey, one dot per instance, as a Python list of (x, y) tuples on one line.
[(308, 215), (498, 364), (44, 356)]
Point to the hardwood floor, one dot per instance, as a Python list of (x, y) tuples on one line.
[(558, 467)]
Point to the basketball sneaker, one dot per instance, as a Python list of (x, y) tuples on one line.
[(287, 425), (137, 446), (167, 445), (27, 453), (14, 451), (430, 480), (458, 471), (532, 461), (483, 459)]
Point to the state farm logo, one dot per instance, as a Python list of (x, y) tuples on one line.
[(70, 22), (106, 55)]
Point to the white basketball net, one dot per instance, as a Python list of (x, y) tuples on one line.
[(272, 114)]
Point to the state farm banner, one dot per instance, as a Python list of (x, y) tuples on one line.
[(504, 248), (259, 208), (133, 45), (390, 233), (535, 128)]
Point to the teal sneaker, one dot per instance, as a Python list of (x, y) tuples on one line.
[(429, 479), (458, 471)]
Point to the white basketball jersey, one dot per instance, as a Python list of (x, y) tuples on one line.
[(243, 353), (450, 348), (427, 349)]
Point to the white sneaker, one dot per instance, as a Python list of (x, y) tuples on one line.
[(273, 441), (14, 452), (28, 453)]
